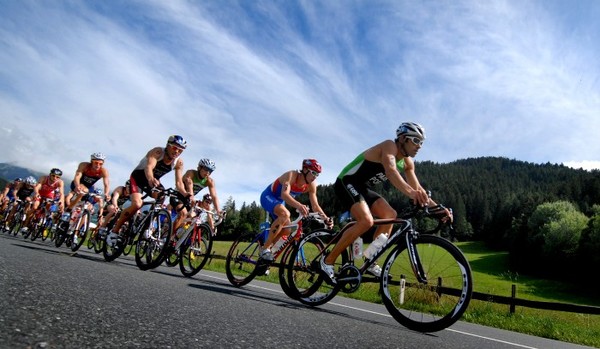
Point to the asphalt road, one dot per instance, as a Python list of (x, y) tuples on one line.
[(51, 298)]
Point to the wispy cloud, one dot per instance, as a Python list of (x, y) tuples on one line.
[(258, 86)]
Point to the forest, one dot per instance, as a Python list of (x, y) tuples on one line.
[(546, 215)]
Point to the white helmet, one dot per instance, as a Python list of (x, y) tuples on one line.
[(98, 156), (410, 129), (30, 181), (208, 163)]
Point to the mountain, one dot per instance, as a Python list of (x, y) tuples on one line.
[(8, 172)]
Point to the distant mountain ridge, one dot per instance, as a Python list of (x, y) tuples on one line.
[(8, 172)]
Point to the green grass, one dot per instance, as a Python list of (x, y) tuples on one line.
[(492, 275)]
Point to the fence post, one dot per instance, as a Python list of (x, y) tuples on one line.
[(513, 297)]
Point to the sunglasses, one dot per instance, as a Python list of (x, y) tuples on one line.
[(54, 176), (208, 201), (97, 162), (314, 173), (415, 140), (207, 169)]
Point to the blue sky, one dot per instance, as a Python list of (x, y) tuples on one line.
[(259, 85)]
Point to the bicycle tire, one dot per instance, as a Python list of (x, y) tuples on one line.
[(38, 224), (305, 279), (47, 228), (150, 251), (242, 258), (80, 232), (172, 258), (283, 267), (16, 222), (422, 307), (194, 252)]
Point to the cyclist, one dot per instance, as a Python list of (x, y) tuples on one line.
[(377, 164), (283, 191), (205, 204), (194, 181), (87, 174), (157, 162), (48, 187), (8, 194), (119, 197), (24, 192)]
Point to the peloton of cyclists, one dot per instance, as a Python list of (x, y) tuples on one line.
[(155, 164), (118, 198), (283, 191), (48, 187), (24, 192)]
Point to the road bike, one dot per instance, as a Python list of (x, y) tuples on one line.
[(37, 223), (73, 226), (242, 263), (193, 248), (149, 232), (425, 284)]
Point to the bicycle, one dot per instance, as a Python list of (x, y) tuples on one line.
[(16, 223), (149, 231), (38, 219), (73, 227), (426, 282), (242, 263), (194, 245)]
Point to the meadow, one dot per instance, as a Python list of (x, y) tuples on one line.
[(492, 276)]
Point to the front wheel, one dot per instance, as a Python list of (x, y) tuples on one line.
[(305, 279), (435, 303), (241, 260), (195, 251), (154, 241), (80, 232)]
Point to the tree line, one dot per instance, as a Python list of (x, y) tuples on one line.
[(538, 212)]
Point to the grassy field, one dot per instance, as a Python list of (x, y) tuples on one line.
[(492, 275)]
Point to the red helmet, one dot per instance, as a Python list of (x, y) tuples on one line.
[(311, 164)]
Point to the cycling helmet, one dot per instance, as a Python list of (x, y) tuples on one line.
[(18, 179), (177, 141), (56, 171), (30, 181), (98, 156), (410, 129), (312, 165), (207, 198), (208, 163)]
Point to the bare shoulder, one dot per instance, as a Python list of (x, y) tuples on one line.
[(156, 152), (376, 152)]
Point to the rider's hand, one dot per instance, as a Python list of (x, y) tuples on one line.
[(303, 210), (420, 197), (329, 223)]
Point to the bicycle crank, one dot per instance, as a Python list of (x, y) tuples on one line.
[(349, 278)]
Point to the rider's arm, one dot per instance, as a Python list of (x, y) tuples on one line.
[(213, 193), (314, 203), (115, 196), (388, 152), (78, 174), (286, 181), (152, 158), (38, 186), (188, 185), (106, 182), (179, 178)]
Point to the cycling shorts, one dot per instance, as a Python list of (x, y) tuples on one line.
[(350, 193)]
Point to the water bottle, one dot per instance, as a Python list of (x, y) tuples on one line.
[(345, 217), (65, 217), (357, 246), (264, 228), (375, 246)]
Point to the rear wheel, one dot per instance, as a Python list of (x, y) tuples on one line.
[(38, 224), (154, 241), (195, 251), (434, 304), (240, 264)]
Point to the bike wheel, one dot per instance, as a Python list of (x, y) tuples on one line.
[(38, 224), (196, 250), (152, 245), (241, 260), (131, 240), (16, 223), (305, 280), (282, 272), (46, 228), (434, 304), (80, 232)]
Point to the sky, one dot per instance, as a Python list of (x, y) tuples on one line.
[(257, 86)]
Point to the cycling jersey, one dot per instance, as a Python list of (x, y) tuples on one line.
[(356, 179), (11, 186), (138, 177), (24, 192), (48, 191), (271, 196), (199, 183), (90, 176)]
